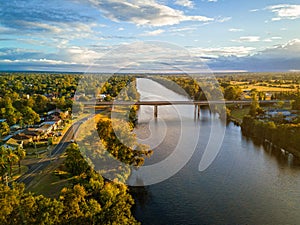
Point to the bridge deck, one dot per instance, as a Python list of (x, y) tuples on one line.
[(157, 103)]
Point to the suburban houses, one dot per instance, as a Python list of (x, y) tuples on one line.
[(49, 123)]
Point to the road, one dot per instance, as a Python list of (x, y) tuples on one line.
[(35, 168)]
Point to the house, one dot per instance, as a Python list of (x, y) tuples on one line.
[(291, 118), (2, 120), (101, 97), (276, 112), (54, 111), (23, 138)]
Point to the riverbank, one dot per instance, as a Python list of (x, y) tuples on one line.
[(283, 136)]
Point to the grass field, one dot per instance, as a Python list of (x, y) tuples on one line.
[(239, 114), (48, 183), (265, 87)]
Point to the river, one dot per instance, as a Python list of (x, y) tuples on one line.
[(245, 184)]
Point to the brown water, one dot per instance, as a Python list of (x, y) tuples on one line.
[(245, 184)]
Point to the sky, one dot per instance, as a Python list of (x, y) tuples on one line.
[(150, 35)]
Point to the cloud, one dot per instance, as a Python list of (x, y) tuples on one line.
[(47, 20), (289, 50), (185, 3), (153, 33), (144, 13), (223, 19), (285, 11), (237, 51), (212, 0), (15, 14), (278, 58), (235, 30), (248, 39)]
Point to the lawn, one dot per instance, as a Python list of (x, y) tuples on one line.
[(239, 114), (47, 182)]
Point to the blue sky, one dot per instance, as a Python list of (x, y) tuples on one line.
[(156, 35)]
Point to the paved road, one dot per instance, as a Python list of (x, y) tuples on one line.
[(59, 149)]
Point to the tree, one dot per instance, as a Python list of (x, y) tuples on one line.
[(255, 108), (40, 103), (280, 104), (232, 93), (4, 129), (30, 117), (11, 158), (74, 162), (3, 167), (296, 103), (10, 114), (21, 153)]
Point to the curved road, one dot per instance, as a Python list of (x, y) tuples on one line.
[(58, 150)]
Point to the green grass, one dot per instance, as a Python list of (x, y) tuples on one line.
[(47, 182), (239, 113), (15, 171)]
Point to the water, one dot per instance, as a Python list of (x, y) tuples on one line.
[(245, 184)]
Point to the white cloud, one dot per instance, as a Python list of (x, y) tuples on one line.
[(153, 33), (268, 40), (224, 19), (277, 58), (276, 38), (238, 51), (185, 3), (272, 39), (285, 11), (248, 39), (289, 50), (235, 30), (144, 13), (212, 0), (181, 29)]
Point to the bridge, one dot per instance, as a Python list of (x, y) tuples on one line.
[(197, 104)]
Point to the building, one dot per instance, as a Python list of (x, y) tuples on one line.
[(276, 112)]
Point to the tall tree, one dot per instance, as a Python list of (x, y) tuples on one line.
[(4, 129), (232, 93), (21, 153), (11, 158), (30, 117), (255, 108)]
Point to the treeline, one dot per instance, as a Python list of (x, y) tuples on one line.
[(271, 77), (89, 199), (285, 136), (182, 85)]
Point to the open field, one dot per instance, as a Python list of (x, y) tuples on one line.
[(47, 182), (265, 87)]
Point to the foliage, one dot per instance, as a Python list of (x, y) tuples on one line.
[(121, 142), (4, 129), (90, 200), (232, 93), (255, 109), (296, 103), (284, 136)]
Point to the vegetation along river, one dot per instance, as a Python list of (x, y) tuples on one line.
[(245, 184)]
